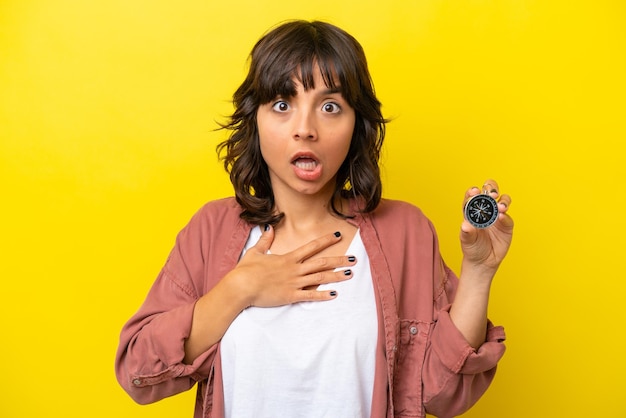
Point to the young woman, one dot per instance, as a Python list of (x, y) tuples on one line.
[(307, 295)]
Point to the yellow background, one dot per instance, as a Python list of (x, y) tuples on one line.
[(107, 118)]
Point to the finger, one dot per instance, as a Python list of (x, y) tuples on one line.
[(326, 264), (469, 193), (505, 221), (468, 231), (491, 187), (504, 203), (325, 277), (313, 295), (265, 242), (313, 247)]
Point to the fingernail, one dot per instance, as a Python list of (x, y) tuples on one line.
[(347, 272), (337, 234), (267, 227), (351, 258), (333, 293)]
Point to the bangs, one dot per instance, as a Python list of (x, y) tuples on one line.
[(297, 57)]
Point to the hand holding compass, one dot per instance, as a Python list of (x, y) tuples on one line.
[(487, 231), (481, 210)]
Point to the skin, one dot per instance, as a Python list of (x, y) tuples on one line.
[(310, 242), (483, 251)]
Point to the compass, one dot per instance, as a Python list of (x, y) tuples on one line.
[(481, 210)]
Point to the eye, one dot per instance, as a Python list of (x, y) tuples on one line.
[(280, 106), (331, 107)]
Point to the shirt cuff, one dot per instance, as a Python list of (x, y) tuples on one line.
[(457, 355)]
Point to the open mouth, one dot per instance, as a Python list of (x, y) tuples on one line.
[(306, 166), (305, 163)]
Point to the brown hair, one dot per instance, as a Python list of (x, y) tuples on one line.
[(293, 50)]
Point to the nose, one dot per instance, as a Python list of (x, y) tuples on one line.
[(305, 125)]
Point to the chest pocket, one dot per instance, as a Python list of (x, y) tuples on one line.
[(407, 387)]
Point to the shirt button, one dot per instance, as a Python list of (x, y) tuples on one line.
[(137, 382), (413, 330)]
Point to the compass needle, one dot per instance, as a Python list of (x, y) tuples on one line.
[(481, 210)]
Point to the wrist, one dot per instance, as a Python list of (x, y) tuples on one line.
[(477, 273), (236, 291)]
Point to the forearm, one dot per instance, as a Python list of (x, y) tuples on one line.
[(148, 360), (470, 305), (213, 314)]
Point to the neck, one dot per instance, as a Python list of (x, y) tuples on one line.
[(307, 218), (305, 213)]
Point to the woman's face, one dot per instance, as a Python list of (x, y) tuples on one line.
[(304, 139)]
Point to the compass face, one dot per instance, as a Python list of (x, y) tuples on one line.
[(481, 210)]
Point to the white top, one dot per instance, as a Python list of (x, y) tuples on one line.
[(308, 359)]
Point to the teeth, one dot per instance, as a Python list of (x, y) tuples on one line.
[(305, 164)]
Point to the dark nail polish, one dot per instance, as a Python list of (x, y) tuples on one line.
[(267, 227), (333, 293), (351, 258), (337, 234), (347, 272)]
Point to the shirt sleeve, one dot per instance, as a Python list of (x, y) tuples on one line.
[(149, 361), (455, 374)]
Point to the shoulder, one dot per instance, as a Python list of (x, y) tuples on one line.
[(217, 217), (221, 211), (225, 205)]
